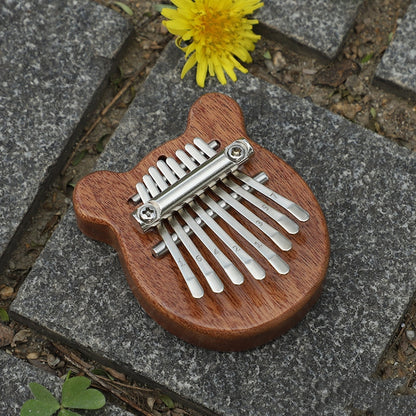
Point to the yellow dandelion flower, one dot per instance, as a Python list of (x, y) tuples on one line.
[(214, 34)]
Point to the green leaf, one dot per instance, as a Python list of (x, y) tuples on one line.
[(373, 112), (267, 55), (159, 7), (99, 146), (78, 157), (42, 393), (367, 58), (168, 401), (38, 408), (124, 7), (391, 34), (76, 395), (4, 316), (66, 412)]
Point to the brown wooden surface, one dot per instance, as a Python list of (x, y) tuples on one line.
[(242, 316)]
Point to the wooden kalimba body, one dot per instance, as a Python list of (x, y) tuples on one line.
[(222, 242)]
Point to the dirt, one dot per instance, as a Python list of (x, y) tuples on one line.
[(344, 86)]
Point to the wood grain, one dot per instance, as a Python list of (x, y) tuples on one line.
[(241, 317)]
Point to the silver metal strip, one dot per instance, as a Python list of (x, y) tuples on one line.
[(207, 217), (297, 211), (277, 262), (213, 145), (278, 238), (192, 282), (159, 249), (211, 277), (229, 268), (190, 279), (249, 263), (204, 147), (231, 271), (284, 221), (172, 198)]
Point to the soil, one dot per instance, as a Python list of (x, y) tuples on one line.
[(344, 86)]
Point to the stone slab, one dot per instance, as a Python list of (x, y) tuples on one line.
[(366, 185), (397, 67), (15, 376), (55, 56), (320, 25)]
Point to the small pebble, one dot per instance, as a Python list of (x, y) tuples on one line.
[(150, 402), (279, 61), (6, 335), (32, 356), (6, 292), (21, 337), (52, 360), (411, 335)]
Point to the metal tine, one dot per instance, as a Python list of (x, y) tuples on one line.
[(192, 282), (278, 238), (250, 264), (204, 147), (211, 277), (160, 248), (229, 268), (136, 198), (297, 211), (214, 144), (276, 261), (284, 221)]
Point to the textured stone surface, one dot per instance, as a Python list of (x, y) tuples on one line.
[(319, 24), (397, 67), (54, 57), (15, 376), (366, 186)]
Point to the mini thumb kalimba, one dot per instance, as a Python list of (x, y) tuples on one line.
[(223, 244)]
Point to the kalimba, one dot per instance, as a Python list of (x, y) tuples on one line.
[(223, 243)]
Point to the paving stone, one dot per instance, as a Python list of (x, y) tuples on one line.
[(397, 67), (320, 25), (15, 376), (366, 186), (55, 56)]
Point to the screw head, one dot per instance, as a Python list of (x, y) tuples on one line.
[(147, 213), (236, 152)]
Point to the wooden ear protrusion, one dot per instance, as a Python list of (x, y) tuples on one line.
[(244, 262)]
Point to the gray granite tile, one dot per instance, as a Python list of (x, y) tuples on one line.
[(320, 25), (15, 376), (54, 57), (397, 67), (366, 186)]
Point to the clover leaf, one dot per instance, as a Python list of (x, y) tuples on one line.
[(76, 394), (44, 403)]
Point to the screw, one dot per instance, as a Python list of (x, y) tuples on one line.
[(147, 213), (236, 152)]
